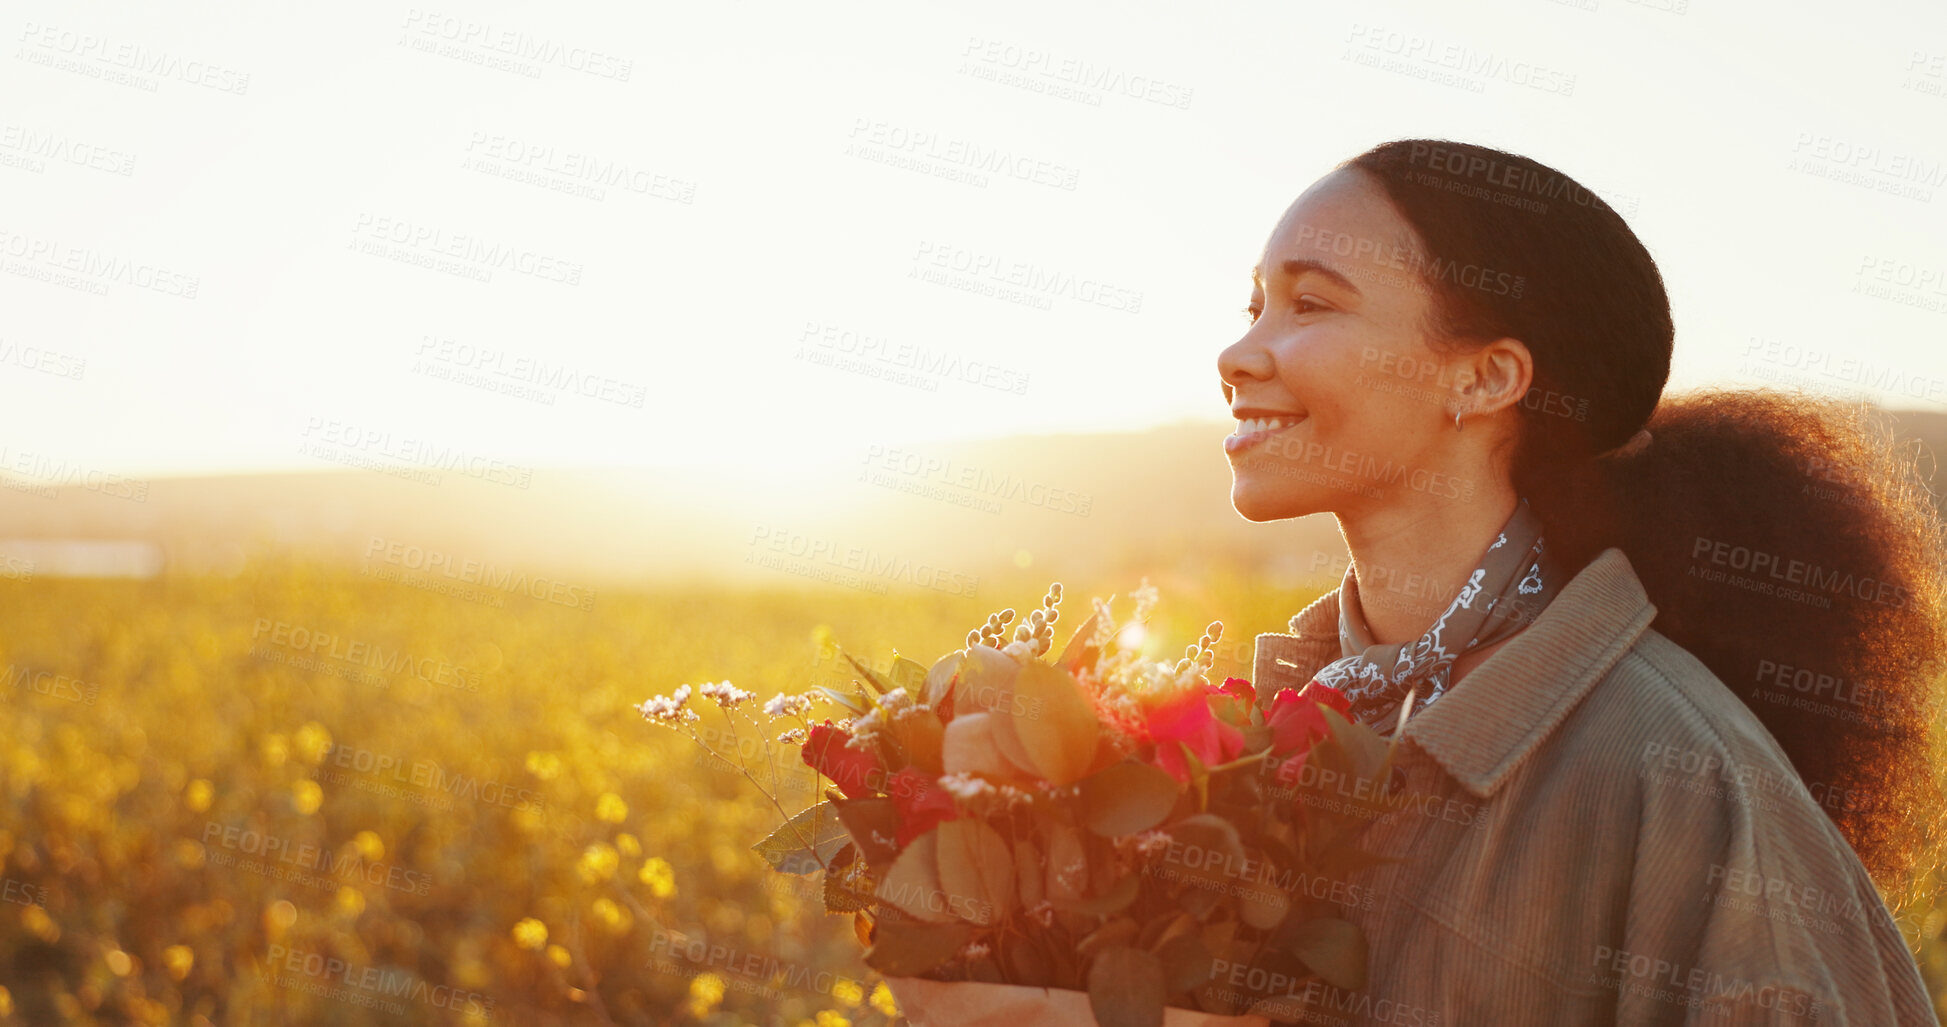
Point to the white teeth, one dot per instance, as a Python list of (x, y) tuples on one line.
[(1258, 424)]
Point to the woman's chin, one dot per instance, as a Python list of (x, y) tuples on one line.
[(1254, 502)]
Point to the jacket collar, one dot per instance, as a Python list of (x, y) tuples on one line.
[(1484, 727)]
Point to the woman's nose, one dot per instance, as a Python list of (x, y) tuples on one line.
[(1243, 361)]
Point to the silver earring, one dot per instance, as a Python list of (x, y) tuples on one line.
[(1456, 420)]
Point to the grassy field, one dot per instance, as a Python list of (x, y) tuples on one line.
[(309, 797)]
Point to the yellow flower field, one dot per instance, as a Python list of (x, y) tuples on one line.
[(302, 796)]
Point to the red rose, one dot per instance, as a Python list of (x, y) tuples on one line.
[(1241, 688), (1297, 723), (921, 802), (854, 771), (1186, 718)]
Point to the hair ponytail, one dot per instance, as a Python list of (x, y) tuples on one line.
[(1785, 540), (1792, 547)]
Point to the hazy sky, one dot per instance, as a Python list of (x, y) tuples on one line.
[(252, 237)]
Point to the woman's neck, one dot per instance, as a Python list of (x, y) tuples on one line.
[(1410, 560)]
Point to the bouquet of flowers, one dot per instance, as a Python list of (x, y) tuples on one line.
[(1113, 826)]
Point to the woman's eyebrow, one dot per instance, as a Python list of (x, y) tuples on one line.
[(1294, 268)]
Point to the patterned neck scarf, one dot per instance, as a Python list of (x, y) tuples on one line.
[(1505, 592)]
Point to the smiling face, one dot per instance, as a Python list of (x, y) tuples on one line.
[(1342, 406)]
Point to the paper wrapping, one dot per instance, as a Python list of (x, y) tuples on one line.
[(974, 1004)]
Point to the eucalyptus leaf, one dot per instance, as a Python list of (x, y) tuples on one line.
[(913, 882), (1055, 722), (1127, 798), (976, 870), (910, 949), (1115, 900), (1126, 988), (1333, 949), (873, 825)]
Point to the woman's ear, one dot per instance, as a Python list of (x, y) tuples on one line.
[(1495, 376)]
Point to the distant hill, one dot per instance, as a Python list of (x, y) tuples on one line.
[(1077, 505)]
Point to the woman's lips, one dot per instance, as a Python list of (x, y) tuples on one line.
[(1250, 433)]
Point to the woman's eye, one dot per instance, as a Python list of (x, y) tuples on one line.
[(1307, 304), (1250, 314)]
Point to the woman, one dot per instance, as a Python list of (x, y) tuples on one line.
[(1669, 671)]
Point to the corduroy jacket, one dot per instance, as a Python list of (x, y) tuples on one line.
[(1598, 831)]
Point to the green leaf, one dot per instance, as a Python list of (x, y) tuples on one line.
[(1260, 902), (1115, 900), (1125, 988), (1072, 653), (1028, 881), (907, 674), (1127, 798), (1119, 931), (842, 699), (1055, 722), (1334, 949), (871, 676), (976, 870), (909, 950), (848, 887), (913, 883), (1361, 743), (806, 842), (873, 825), (1186, 963), (1029, 962)]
